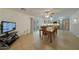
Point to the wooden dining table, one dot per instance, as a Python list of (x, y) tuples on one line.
[(50, 31)]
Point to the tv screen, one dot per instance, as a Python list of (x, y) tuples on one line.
[(7, 26)]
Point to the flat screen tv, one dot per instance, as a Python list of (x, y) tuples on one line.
[(7, 26)]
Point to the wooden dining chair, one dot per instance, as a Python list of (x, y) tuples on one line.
[(43, 31)]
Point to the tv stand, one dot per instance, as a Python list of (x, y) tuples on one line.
[(6, 34), (9, 39)]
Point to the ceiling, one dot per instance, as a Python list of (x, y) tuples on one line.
[(42, 11)]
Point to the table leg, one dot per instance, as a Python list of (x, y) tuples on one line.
[(50, 37), (40, 34)]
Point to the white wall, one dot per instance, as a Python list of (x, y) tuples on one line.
[(74, 24), (22, 20)]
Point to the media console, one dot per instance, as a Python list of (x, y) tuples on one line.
[(8, 40)]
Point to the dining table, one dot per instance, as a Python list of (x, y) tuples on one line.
[(49, 30)]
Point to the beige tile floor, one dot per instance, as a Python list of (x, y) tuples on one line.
[(64, 40)]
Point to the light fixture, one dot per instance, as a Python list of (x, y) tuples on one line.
[(75, 20), (47, 16), (48, 13)]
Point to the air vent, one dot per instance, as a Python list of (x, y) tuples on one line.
[(22, 9)]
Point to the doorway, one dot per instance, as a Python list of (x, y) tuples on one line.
[(64, 24)]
